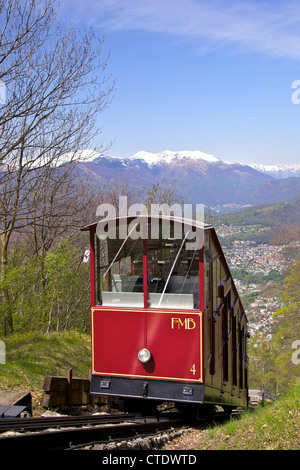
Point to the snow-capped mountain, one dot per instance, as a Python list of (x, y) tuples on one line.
[(278, 170), (168, 156), (199, 177)]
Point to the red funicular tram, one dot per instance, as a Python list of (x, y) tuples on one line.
[(167, 321)]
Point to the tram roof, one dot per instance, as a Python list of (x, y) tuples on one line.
[(150, 218)]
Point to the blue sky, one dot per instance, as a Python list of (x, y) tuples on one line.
[(210, 75)]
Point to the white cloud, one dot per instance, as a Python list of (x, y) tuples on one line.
[(272, 27)]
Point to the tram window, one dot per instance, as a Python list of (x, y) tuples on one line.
[(234, 352), (207, 284), (241, 355), (119, 275), (229, 312), (215, 282), (172, 275)]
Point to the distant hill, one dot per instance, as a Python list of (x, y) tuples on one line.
[(199, 177), (276, 191), (259, 224), (266, 215)]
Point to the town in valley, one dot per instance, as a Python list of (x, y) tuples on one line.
[(258, 270)]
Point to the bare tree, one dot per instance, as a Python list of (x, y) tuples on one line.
[(162, 193), (56, 86)]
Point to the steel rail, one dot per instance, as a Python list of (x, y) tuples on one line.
[(67, 438), (31, 424)]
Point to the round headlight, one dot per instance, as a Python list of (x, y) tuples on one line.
[(144, 355)]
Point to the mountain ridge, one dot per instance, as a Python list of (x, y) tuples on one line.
[(278, 170), (198, 176)]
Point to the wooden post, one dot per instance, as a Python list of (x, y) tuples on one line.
[(91, 396)]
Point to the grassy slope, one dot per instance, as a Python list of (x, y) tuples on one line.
[(272, 427), (30, 357)]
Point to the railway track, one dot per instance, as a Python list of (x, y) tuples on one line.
[(71, 432)]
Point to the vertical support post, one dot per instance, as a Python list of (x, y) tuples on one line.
[(201, 279), (145, 286), (69, 388), (91, 396), (145, 273), (92, 267), (202, 304)]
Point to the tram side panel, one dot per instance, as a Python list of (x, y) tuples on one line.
[(224, 331)]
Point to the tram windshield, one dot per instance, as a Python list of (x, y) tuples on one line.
[(119, 272), (173, 275), (172, 279)]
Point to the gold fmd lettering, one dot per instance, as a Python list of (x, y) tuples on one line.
[(178, 323)]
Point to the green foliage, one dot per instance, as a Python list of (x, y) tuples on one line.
[(45, 294), (256, 278), (271, 364), (67, 289), (20, 292), (289, 329), (262, 372)]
